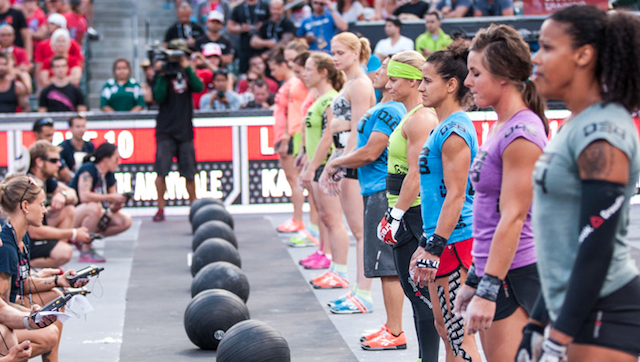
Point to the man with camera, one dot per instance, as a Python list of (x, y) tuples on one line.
[(220, 98), (175, 84)]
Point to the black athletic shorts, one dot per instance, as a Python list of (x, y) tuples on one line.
[(167, 148), (352, 173), (523, 288), (318, 173), (614, 322), (378, 256), (42, 248)]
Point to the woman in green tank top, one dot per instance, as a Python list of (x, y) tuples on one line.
[(321, 74)]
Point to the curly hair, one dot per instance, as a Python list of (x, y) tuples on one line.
[(616, 39)]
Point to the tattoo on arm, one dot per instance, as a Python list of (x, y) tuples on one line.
[(85, 182), (596, 161), (5, 286)]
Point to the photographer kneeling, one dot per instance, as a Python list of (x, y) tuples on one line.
[(99, 203), (22, 199)]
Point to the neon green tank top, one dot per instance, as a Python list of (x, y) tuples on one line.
[(397, 153), (316, 121)]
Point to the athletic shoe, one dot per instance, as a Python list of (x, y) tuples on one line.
[(159, 216), (291, 226), (385, 341), (332, 280), (320, 262), (373, 335), (310, 257), (91, 256), (353, 305), (300, 241), (335, 302)]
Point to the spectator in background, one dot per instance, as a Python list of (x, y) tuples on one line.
[(61, 95), (174, 126), (204, 70), (54, 6), (323, 24), (43, 130), (383, 9), (16, 19), (61, 45), (206, 7), (277, 30), (299, 12), (184, 28), (215, 24), (76, 148), (395, 43), (76, 21), (434, 38), (350, 10), (20, 57), (150, 81), (221, 98), (257, 66), (44, 52), (262, 99), (246, 19), (413, 10), (121, 93), (36, 21), (493, 8), (455, 8), (11, 89)]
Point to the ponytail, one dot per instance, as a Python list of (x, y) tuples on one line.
[(535, 102), (103, 151), (365, 50)]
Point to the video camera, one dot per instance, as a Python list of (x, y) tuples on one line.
[(169, 58)]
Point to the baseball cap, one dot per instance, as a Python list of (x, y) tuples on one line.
[(179, 44), (211, 49), (216, 15), (58, 20)]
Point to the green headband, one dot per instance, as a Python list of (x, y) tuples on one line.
[(402, 70)]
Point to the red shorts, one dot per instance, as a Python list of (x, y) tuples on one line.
[(454, 256)]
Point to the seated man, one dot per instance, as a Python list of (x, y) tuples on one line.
[(76, 148), (434, 38), (50, 242), (262, 98), (220, 98), (99, 203), (493, 8), (455, 8)]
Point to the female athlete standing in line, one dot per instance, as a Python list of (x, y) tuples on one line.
[(357, 96), (583, 181), (288, 102), (504, 254), (402, 226), (321, 74), (444, 253)]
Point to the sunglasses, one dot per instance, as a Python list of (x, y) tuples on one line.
[(45, 122), (52, 160), (31, 182)]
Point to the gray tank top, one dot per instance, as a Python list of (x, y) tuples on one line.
[(556, 201)]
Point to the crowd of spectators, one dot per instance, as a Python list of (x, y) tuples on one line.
[(226, 41)]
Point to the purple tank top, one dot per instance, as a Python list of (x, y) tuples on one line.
[(486, 177)]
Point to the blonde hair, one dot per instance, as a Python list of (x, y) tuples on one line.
[(324, 62), (410, 57), (12, 190), (299, 45), (360, 45)]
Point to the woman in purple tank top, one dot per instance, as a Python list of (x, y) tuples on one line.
[(503, 282)]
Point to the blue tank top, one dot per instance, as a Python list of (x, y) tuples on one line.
[(383, 117), (432, 188)]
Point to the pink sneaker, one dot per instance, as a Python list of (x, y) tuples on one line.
[(311, 257), (320, 262)]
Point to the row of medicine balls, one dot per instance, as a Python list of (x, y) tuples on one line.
[(217, 317)]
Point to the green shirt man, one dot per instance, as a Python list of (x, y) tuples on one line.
[(434, 38)]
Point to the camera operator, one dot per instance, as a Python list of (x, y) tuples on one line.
[(220, 98), (173, 92)]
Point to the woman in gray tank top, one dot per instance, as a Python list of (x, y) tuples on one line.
[(582, 185)]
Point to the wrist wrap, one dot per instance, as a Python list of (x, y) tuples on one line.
[(472, 278), (489, 287), (435, 244)]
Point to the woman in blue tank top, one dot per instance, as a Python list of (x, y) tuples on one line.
[(444, 252)]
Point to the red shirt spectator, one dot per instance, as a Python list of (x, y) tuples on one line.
[(207, 78), (44, 51), (243, 86), (71, 61), (20, 56), (35, 22), (77, 25)]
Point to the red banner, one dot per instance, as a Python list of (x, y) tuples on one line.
[(4, 159), (544, 7)]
